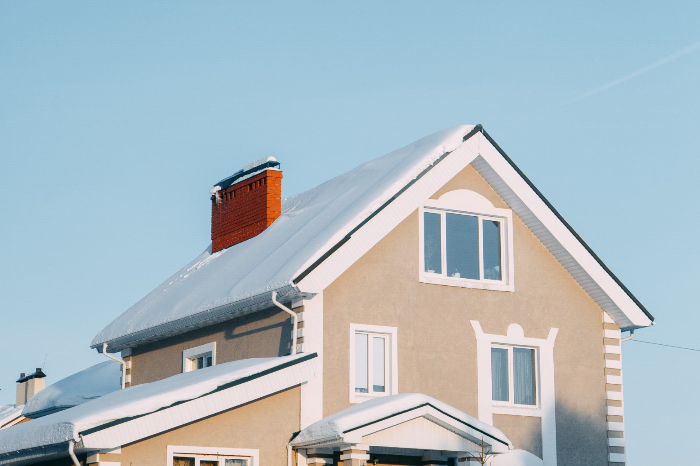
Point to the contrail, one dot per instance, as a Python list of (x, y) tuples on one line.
[(656, 64)]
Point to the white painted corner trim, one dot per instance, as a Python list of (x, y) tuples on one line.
[(252, 454), (392, 332), (198, 351), (515, 336)]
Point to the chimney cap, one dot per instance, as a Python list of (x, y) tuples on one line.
[(39, 374), (258, 165)]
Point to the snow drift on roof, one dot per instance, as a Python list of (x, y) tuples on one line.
[(75, 389), (9, 412), (336, 425), (310, 224), (142, 399)]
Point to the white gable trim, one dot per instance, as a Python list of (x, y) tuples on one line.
[(478, 151)]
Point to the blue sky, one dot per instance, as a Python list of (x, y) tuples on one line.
[(115, 119)]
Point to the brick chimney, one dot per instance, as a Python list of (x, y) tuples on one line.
[(29, 385), (246, 203)]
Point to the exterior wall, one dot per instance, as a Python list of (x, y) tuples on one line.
[(266, 425), (261, 334), (437, 345)]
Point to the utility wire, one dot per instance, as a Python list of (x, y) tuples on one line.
[(661, 344)]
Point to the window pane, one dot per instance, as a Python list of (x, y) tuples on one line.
[(236, 462), (524, 376), (180, 461), (208, 463), (499, 374), (199, 363), (492, 249), (208, 361), (378, 364), (432, 240), (361, 363), (462, 246)]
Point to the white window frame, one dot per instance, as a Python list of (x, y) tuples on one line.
[(465, 202), (511, 377), (200, 453), (392, 368), (193, 353)]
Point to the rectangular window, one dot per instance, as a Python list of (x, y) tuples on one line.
[(199, 357), (463, 246), (514, 375), (209, 460), (371, 363)]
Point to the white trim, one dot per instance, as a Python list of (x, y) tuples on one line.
[(616, 426), (613, 349), (199, 408), (463, 201), (615, 411), (546, 406), (616, 334), (616, 441), (616, 457), (393, 379), (191, 353), (613, 379), (614, 396), (253, 454), (312, 391), (613, 364)]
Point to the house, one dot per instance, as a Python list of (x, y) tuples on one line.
[(422, 307)]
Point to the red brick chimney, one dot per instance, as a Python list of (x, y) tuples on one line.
[(245, 203)]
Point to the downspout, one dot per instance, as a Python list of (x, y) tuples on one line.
[(629, 337), (120, 361), (294, 329), (71, 445)]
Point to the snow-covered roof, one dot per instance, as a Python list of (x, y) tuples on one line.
[(310, 224), (75, 389), (352, 424), (184, 397), (319, 232), (9, 413)]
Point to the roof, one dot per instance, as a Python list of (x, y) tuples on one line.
[(324, 230), (128, 415), (9, 413), (76, 389), (355, 424), (39, 374)]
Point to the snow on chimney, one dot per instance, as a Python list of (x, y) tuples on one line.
[(29, 385), (246, 203)]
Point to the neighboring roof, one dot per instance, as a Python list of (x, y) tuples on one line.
[(128, 415), (369, 417), (75, 389), (9, 413), (39, 374), (323, 231)]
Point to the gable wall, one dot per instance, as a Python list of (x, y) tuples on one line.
[(262, 334), (436, 342)]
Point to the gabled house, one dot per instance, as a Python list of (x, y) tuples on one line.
[(422, 308)]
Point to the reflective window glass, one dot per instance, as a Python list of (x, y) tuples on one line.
[(499, 374), (492, 249), (361, 363), (379, 364), (432, 242), (462, 246)]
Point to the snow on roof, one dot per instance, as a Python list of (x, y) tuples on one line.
[(75, 389), (9, 412), (134, 401), (338, 424), (310, 224)]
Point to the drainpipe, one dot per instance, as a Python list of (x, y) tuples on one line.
[(120, 361), (294, 318), (629, 337), (71, 445)]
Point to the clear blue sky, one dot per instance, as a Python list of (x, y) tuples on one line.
[(116, 118)]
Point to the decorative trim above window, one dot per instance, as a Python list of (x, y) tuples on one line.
[(211, 456), (199, 357), (465, 241), (373, 362)]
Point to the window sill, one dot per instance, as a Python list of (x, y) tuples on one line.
[(362, 397), (517, 410), (465, 283)]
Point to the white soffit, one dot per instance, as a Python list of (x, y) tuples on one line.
[(478, 151)]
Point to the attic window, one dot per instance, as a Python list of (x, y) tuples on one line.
[(199, 357), (465, 241)]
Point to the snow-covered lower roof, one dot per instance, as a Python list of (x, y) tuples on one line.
[(9, 413), (127, 415), (76, 389), (356, 422), (322, 231)]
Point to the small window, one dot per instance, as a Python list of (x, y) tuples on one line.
[(514, 375), (373, 362), (209, 460), (211, 456), (199, 357)]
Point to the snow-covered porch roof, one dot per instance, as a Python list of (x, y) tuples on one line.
[(411, 421), (138, 412)]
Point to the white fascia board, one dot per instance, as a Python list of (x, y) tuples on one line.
[(199, 408), (389, 218), (557, 238)]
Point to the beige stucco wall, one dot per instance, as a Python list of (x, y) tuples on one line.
[(266, 425), (436, 342), (262, 334)]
